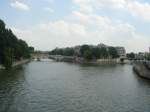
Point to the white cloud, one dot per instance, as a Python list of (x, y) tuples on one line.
[(90, 5), (81, 28), (48, 9), (134, 7), (19, 5), (140, 10)]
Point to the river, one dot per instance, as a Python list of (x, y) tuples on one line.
[(49, 86)]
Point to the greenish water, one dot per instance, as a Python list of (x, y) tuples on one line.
[(62, 87)]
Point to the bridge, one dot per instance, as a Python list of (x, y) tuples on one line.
[(40, 55), (62, 58)]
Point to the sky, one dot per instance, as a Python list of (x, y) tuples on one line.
[(47, 24)]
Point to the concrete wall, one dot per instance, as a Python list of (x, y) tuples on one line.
[(141, 68), (17, 63)]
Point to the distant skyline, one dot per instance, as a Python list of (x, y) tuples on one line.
[(47, 24)]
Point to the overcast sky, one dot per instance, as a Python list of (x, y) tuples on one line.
[(46, 24)]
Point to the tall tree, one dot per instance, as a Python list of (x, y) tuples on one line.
[(11, 45), (84, 48), (113, 52), (103, 53), (8, 57)]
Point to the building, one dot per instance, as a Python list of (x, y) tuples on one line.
[(140, 56), (121, 52)]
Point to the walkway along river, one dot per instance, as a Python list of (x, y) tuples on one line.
[(17, 63), (49, 86)]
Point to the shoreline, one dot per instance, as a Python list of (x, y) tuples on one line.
[(81, 60), (2, 67), (142, 69), (17, 63)]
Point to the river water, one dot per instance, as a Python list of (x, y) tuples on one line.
[(49, 86)]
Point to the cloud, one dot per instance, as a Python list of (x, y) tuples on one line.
[(90, 5), (134, 7), (19, 5), (48, 9), (140, 10), (84, 26), (80, 28)]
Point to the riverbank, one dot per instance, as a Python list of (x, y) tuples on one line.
[(142, 69), (20, 62), (81, 60), (2, 67), (17, 63)]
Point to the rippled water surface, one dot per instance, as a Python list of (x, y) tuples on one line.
[(49, 86)]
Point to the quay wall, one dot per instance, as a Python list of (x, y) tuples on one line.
[(82, 60), (17, 63), (142, 69)]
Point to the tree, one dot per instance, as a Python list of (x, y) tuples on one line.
[(148, 57), (96, 52), (87, 52), (10, 43), (103, 52), (83, 49), (31, 49), (113, 52), (131, 55), (8, 60), (68, 52), (87, 55)]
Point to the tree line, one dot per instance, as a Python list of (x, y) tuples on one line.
[(11, 48), (87, 52), (138, 56)]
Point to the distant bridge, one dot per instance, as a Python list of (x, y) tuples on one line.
[(40, 55), (62, 58)]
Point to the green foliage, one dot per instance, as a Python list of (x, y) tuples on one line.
[(9, 40), (66, 51), (8, 57), (31, 49), (84, 48), (148, 57), (103, 53), (96, 52), (88, 52), (113, 52), (56, 51), (131, 55), (88, 55)]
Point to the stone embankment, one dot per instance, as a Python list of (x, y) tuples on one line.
[(17, 63), (62, 58), (142, 68), (81, 60), (1, 67)]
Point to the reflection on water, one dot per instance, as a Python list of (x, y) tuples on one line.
[(49, 86), (10, 84)]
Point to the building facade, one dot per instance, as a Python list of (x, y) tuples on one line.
[(121, 52)]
